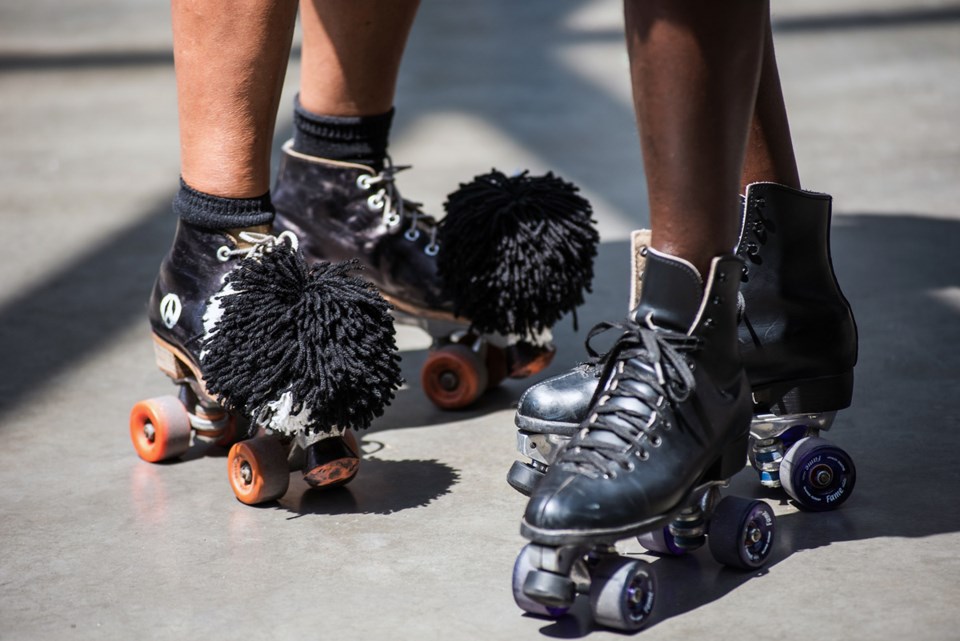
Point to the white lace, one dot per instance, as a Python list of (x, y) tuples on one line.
[(395, 209), (258, 244)]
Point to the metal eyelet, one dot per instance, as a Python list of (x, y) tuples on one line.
[(223, 253), (411, 234), (655, 441), (376, 202), (432, 249), (363, 181), (643, 455)]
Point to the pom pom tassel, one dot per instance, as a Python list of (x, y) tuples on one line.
[(517, 252), (314, 339)]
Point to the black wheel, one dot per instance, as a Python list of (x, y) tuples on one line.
[(543, 586), (523, 477), (817, 474), (622, 593), (742, 533)]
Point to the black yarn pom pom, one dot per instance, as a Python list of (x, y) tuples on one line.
[(516, 252), (322, 335)]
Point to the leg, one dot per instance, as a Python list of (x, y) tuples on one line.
[(351, 54), (695, 68), (674, 415), (770, 155), (209, 334), (230, 61)]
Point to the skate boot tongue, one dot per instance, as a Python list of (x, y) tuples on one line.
[(671, 295)]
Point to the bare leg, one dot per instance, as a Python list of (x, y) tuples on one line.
[(351, 54), (695, 67), (770, 156), (230, 61)]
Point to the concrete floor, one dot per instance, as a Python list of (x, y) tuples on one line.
[(96, 544)]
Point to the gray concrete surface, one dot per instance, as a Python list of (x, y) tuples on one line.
[(95, 544)]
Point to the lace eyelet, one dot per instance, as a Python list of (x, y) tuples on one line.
[(432, 249), (375, 202), (411, 234), (363, 181), (655, 441), (223, 253), (643, 455)]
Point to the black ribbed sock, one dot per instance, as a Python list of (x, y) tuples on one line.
[(214, 212), (358, 139)]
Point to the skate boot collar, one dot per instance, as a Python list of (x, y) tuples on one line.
[(673, 291), (342, 164)]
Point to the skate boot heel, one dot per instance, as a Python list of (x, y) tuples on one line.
[(822, 394), (733, 459), (167, 360)]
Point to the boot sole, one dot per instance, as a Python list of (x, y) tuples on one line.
[(730, 461), (805, 396)]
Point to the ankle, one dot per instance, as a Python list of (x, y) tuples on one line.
[(211, 212), (356, 139)]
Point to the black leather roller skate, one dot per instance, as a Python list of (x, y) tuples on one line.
[(668, 426), (346, 211), (235, 327), (798, 341)]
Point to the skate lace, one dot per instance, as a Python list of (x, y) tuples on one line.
[(648, 365), (258, 244), (396, 210)]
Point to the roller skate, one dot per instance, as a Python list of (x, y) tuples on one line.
[(798, 341), (486, 283), (271, 359), (668, 427)]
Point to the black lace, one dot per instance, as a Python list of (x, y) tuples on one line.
[(648, 365)]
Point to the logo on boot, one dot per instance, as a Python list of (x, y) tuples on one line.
[(170, 310)]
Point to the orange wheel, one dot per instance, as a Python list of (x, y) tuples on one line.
[(453, 377), (230, 433), (526, 360), (258, 470), (160, 428)]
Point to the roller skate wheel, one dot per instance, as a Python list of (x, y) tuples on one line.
[(817, 474), (231, 432), (453, 376), (622, 593), (661, 542), (742, 533), (258, 470), (523, 568), (523, 477), (160, 428)]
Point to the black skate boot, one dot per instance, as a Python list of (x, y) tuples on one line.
[(347, 211), (669, 424), (798, 340), (235, 327), (799, 345)]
